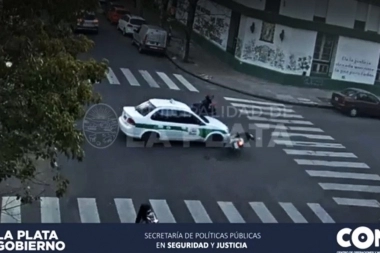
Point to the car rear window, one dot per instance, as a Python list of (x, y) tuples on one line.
[(145, 108), (122, 12), (90, 16), (137, 22), (349, 92)]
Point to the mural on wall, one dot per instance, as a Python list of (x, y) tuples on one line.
[(211, 20), (267, 32), (302, 63), (356, 61), (264, 54)]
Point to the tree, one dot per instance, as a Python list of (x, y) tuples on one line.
[(44, 89)]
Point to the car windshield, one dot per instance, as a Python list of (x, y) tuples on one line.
[(137, 21), (122, 12), (204, 118), (145, 108), (350, 92)]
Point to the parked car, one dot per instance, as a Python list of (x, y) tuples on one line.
[(109, 4), (356, 102), (86, 21), (150, 38), (129, 24), (115, 14)]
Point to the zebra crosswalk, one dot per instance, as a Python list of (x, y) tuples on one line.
[(89, 211), (156, 79), (337, 170)]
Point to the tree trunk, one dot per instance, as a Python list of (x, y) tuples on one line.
[(163, 12), (189, 27)]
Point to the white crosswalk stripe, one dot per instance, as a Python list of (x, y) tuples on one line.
[(231, 212), (308, 136), (112, 79), (130, 77), (89, 209), (357, 202), (185, 83), (319, 153), (168, 81), (290, 133), (149, 79), (10, 210), (50, 210)]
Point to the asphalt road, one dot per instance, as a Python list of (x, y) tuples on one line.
[(263, 173)]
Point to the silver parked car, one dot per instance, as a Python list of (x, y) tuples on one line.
[(150, 38)]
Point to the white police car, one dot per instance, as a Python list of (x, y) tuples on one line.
[(167, 119)]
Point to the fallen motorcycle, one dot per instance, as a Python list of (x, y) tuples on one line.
[(238, 140)]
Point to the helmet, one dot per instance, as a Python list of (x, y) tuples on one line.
[(151, 217)]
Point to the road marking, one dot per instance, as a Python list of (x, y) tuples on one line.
[(162, 210), (320, 213), (308, 136), (149, 79), (270, 114), (112, 79), (293, 213), (88, 210), (282, 127), (231, 212), (185, 83), (253, 102), (262, 212), (281, 121), (350, 187), (263, 108), (198, 211), (331, 163), (308, 144), (130, 77), (125, 210), (167, 80), (357, 202), (319, 153), (346, 175), (10, 210), (50, 210)]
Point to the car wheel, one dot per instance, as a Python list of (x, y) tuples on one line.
[(150, 138), (140, 49), (353, 112), (215, 140)]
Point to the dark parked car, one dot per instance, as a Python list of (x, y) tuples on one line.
[(356, 102)]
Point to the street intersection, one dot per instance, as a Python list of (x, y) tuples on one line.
[(307, 165)]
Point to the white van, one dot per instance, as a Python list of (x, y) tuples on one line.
[(150, 38)]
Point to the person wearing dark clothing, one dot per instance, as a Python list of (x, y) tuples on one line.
[(206, 105), (146, 215)]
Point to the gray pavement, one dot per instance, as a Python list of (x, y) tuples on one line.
[(263, 183)]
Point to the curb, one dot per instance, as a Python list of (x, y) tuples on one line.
[(247, 93)]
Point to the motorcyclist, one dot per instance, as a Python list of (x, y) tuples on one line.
[(146, 215), (206, 104)]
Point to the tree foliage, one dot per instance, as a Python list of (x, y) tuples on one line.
[(45, 89)]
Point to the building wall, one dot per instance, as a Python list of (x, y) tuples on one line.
[(293, 55), (256, 4), (212, 21), (356, 61)]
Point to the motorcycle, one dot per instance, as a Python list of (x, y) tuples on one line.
[(237, 140), (202, 110), (146, 215)]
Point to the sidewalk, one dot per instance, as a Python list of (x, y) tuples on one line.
[(210, 69)]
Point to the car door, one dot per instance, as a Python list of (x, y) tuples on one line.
[(363, 104), (373, 105), (168, 124), (193, 126)]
